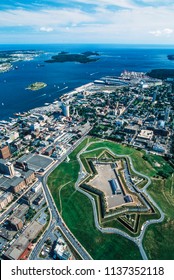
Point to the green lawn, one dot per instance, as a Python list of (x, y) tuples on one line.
[(159, 164), (158, 239)]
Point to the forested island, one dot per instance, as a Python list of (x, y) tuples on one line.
[(68, 57), (171, 56), (161, 73), (36, 86)]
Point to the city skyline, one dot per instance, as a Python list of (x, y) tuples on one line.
[(79, 21)]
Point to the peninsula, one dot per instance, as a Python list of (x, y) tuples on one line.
[(36, 86), (161, 73), (68, 57), (8, 58), (171, 56)]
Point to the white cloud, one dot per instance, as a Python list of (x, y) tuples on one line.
[(164, 32), (46, 29), (120, 3), (44, 17), (136, 24)]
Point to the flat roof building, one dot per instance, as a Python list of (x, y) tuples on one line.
[(5, 183), (16, 223), (37, 187), (20, 212), (18, 184), (115, 186), (29, 177), (61, 250), (34, 162), (145, 135), (29, 197), (6, 168), (128, 198)]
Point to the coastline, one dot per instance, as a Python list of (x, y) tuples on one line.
[(114, 59)]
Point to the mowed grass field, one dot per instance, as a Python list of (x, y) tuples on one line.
[(76, 208), (158, 241)]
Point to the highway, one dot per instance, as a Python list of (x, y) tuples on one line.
[(137, 240), (55, 218)]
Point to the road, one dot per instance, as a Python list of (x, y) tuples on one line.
[(55, 218)]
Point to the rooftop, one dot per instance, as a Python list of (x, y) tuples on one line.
[(36, 162), (21, 244)]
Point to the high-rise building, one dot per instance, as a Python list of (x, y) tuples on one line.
[(65, 110), (154, 96), (167, 113), (5, 152), (6, 168)]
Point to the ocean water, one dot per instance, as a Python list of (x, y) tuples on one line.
[(64, 77)]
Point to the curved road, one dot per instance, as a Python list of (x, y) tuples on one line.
[(56, 219)]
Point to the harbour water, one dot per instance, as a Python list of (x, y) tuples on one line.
[(63, 77)]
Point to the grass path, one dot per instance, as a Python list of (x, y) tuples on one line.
[(61, 187)]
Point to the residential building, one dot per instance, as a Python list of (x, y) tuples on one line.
[(5, 199), (15, 223)]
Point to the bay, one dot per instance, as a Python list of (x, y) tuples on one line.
[(64, 77)]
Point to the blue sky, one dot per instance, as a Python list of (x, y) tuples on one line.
[(87, 21)]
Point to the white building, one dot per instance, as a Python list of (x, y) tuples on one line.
[(61, 250), (66, 110)]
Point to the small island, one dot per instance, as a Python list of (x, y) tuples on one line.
[(36, 86), (170, 56), (68, 57)]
